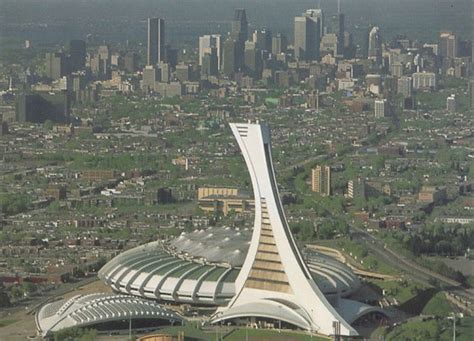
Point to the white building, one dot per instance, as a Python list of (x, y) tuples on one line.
[(207, 43), (424, 80), (381, 108)]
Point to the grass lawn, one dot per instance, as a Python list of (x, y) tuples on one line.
[(402, 291), (4, 323), (434, 330), (270, 335), (190, 332), (438, 306), (415, 330)]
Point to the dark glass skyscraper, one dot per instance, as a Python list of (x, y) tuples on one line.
[(156, 41), (77, 51)]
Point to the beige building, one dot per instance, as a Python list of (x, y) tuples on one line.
[(321, 180), (224, 200)]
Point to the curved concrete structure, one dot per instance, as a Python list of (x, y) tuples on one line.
[(179, 271), (274, 276), (99, 309)]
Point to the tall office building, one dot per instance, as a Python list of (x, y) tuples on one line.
[(336, 26), (375, 45), (56, 65), (207, 43), (317, 13), (230, 56), (233, 52), (262, 39), (381, 108), (321, 180), (131, 62), (448, 45), (209, 65), (77, 52), (156, 41), (253, 60), (239, 25), (279, 44), (307, 36)]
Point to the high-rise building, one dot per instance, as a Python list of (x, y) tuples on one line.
[(209, 65), (337, 27), (151, 75), (448, 45), (381, 108), (77, 52), (405, 86), (230, 57), (239, 25), (262, 40), (451, 104), (321, 180), (279, 44), (356, 189), (424, 80), (307, 36), (130, 62), (253, 60), (375, 45), (317, 13), (233, 54), (207, 43), (56, 65), (183, 72), (39, 106), (156, 41), (329, 45)]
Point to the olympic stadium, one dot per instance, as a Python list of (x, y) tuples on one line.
[(240, 275)]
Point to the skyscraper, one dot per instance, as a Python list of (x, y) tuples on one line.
[(448, 45), (239, 25), (321, 180), (233, 54), (230, 57), (77, 52), (207, 43), (307, 36), (253, 60), (317, 13), (279, 44), (336, 26), (262, 39), (156, 41), (56, 65), (375, 45)]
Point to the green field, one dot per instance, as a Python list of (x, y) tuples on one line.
[(269, 335), (441, 329)]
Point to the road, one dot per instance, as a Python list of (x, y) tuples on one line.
[(416, 271)]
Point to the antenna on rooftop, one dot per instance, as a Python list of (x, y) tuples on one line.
[(338, 6)]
